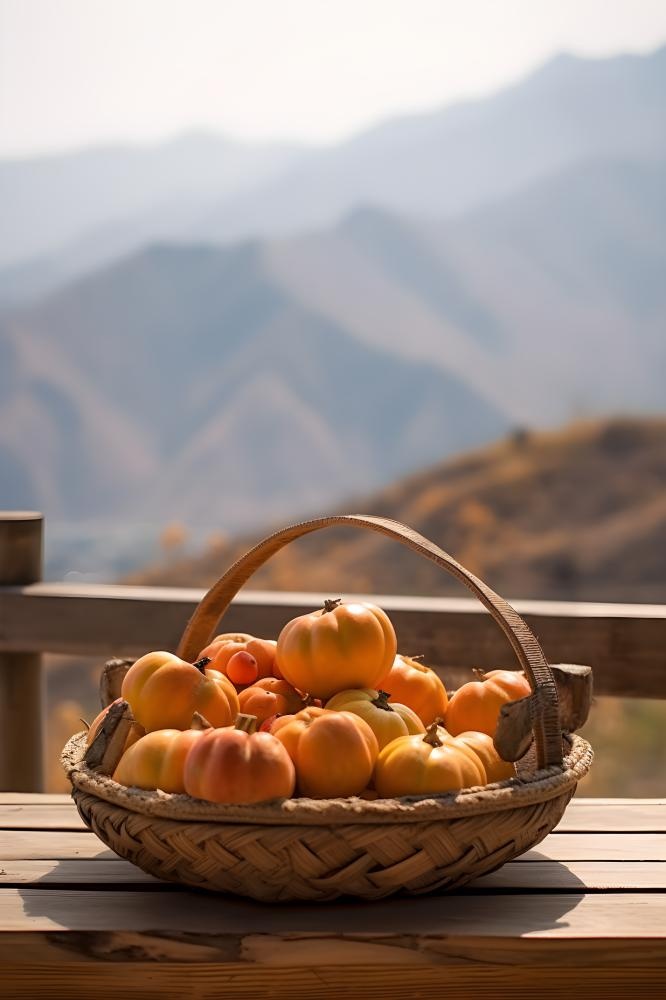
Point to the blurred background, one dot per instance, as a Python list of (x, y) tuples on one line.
[(260, 261)]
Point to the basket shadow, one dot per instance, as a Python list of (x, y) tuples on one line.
[(112, 906)]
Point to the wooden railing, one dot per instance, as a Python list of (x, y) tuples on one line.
[(624, 643)]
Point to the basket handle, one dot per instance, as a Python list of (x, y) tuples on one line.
[(201, 626)]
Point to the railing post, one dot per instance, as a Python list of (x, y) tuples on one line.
[(21, 682)]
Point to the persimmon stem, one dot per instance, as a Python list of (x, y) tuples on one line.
[(382, 701), (431, 736), (200, 722), (331, 605), (202, 663), (246, 723)]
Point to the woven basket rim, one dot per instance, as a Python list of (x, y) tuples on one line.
[(539, 786)]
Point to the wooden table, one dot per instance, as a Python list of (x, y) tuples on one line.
[(583, 914)]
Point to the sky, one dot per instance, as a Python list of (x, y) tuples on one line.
[(76, 73)]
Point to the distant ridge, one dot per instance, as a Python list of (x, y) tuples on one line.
[(528, 515)]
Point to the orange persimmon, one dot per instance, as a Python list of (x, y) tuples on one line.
[(387, 721), (339, 647), (270, 696), (430, 764), (164, 692), (496, 769), (225, 646), (334, 753), (157, 760), (476, 705), (239, 766), (414, 684)]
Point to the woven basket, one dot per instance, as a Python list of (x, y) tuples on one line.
[(321, 849)]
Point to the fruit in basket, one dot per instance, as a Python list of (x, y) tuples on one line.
[(270, 697), (334, 753), (242, 668), (387, 721), (430, 764), (476, 705), (239, 765), (157, 760), (223, 649), (414, 684), (165, 692), (339, 647), (496, 769)]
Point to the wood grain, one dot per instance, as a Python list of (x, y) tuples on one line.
[(126, 621), (21, 688), (238, 981), (38, 817)]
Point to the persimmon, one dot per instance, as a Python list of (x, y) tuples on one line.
[(414, 684), (238, 765), (339, 647), (387, 721), (225, 646), (270, 697), (430, 764), (476, 705), (334, 753), (157, 760), (242, 668), (164, 692), (496, 769)]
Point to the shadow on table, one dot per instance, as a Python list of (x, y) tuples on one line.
[(508, 903)]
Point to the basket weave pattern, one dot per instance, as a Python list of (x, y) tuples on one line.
[(343, 847), (318, 850)]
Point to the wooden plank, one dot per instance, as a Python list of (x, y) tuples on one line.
[(21, 687), (624, 643), (43, 844), (590, 816), (47, 845), (477, 978), (555, 917), (35, 798), (89, 873), (40, 817), (599, 847), (537, 876)]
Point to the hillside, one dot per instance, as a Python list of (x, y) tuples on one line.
[(577, 514), (184, 383)]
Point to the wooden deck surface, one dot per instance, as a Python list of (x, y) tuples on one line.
[(584, 913)]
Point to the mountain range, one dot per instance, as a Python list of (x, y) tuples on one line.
[(231, 381), (64, 215)]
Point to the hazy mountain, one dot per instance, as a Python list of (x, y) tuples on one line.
[(451, 160), (77, 212), (131, 192), (550, 302), (225, 385), (185, 383), (526, 515)]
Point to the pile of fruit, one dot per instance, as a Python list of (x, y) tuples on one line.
[(329, 709)]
